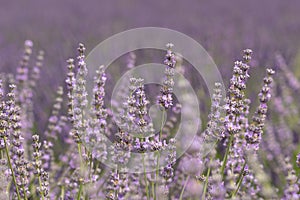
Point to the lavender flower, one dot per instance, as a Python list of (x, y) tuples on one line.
[(292, 188), (54, 118), (255, 130), (35, 71), (80, 97), (166, 99), (70, 86), (68, 160), (43, 176)]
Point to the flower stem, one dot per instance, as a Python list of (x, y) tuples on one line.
[(79, 192), (11, 168), (24, 192), (239, 181), (62, 193), (183, 188), (206, 182), (81, 169), (40, 183), (158, 153), (153, 190), (226, 155), (162, 124), (145, 178)]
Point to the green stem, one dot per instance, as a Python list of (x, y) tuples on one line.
[(24, 192), (2, 154), (238, 187), (226, 155), (157, 166), (184, 186), (162, 125), (153, 190), (158, 153), (145, 178), (40, 183), (62, 193), (206, 182), (11, 168), (81, 169), (241, 173), (91, 165), (79, 152), (79, 192), (239, 181)]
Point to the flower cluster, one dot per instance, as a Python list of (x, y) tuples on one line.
[(87, 153)]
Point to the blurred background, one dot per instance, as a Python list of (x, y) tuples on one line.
[(224, 28)]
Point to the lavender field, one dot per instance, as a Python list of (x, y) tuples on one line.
[(85, 119)]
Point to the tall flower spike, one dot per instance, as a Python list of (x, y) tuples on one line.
[(291, 189), (54, 118), (80, 97), (214, 128), (3, 118), (99, 94), (166, 99), (42, 175), (35, 74), (130, 113), (22, 71), (288, 74), (255, 129), (25, 93), (97, 126), (235, 109), (167, 172), (17, 151), (141, 111), (70, 86)]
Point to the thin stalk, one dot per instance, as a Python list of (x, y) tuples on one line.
[(226, 155), (79, 192), (81, 168), (158, 153), (79, 151), (24, 192), (153, 190), (239, 181), (145, 178), (8, 187), (40, 183), (157, 166), (2, 154), (11, 168), (206, 182), (241, 173), (162, 124), (184, 186), (238, 187), (91, 165), (62, 193)]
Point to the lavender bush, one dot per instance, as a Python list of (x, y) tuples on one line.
[(253, 156)]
